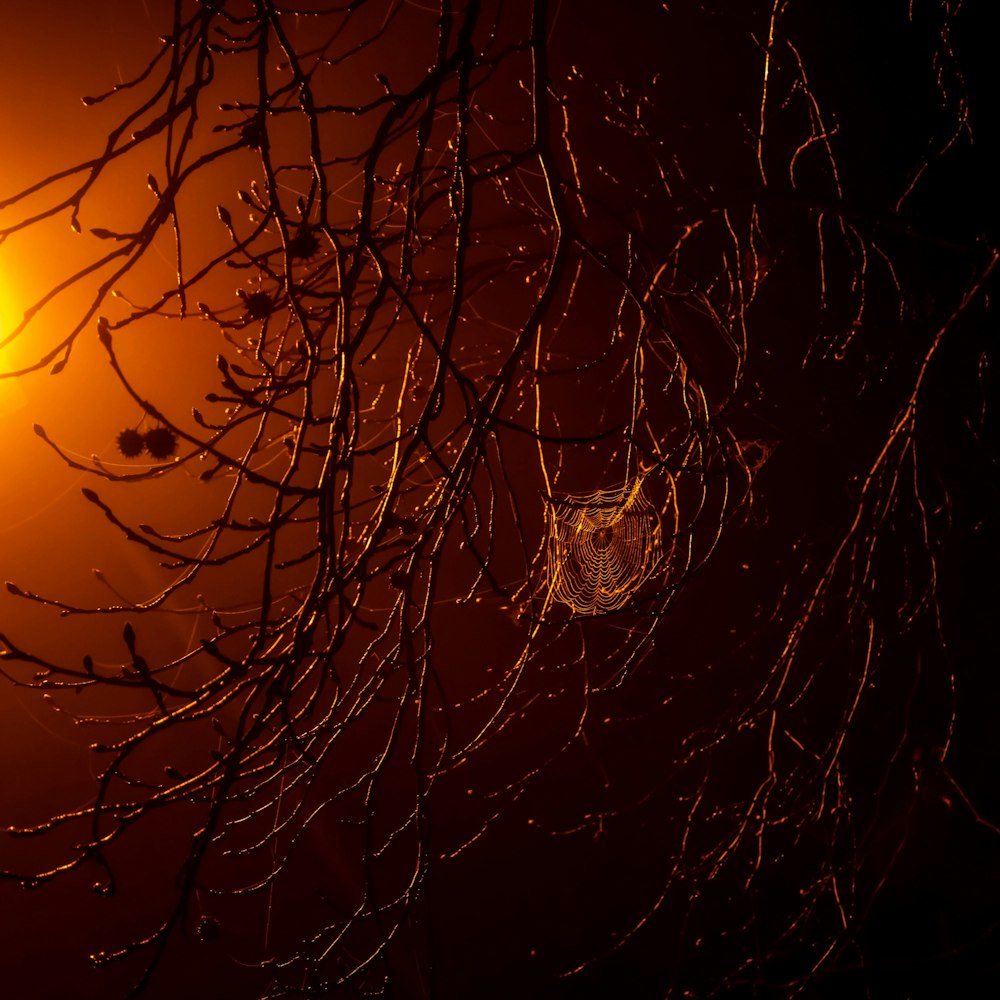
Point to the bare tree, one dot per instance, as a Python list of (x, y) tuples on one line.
[(527, 337)]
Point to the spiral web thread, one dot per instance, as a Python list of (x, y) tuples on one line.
[(602, 547)]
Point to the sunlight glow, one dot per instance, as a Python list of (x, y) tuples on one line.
[(12, 395)]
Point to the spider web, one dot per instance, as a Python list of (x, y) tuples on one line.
[(602, 546)]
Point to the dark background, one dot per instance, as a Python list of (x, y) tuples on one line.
[(584, 864)]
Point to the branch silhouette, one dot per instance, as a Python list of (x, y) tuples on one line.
[(491, 293)]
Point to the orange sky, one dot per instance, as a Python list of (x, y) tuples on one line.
[(775, 382)]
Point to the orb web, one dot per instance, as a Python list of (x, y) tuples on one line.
[(602, 546)]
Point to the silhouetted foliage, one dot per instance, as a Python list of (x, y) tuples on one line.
[(579, 455)]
